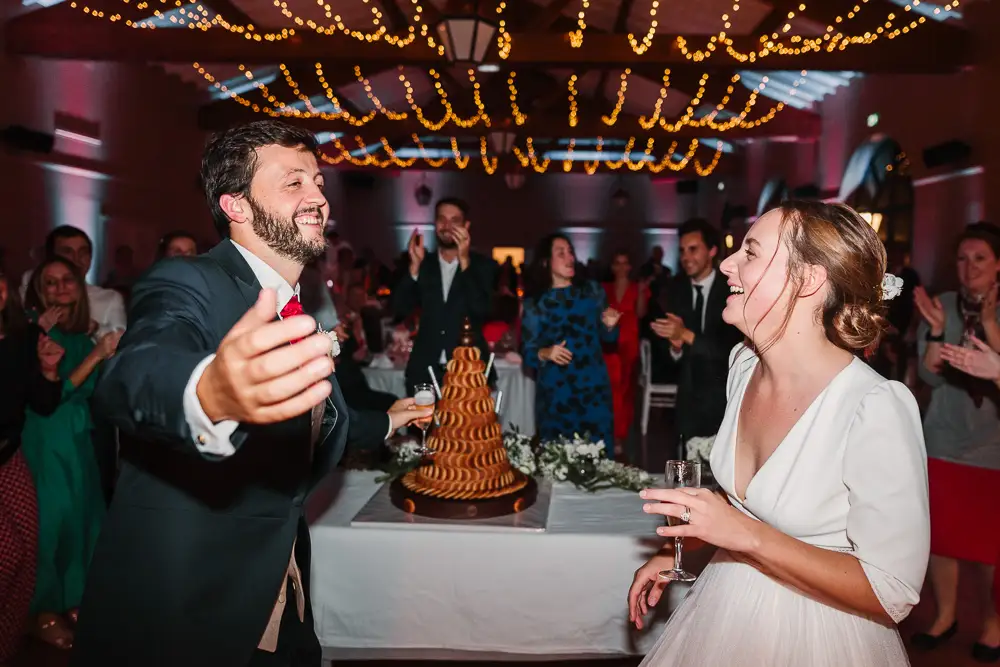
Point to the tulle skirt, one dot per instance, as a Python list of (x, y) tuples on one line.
[(735, 616)]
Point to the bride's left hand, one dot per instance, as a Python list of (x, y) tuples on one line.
[(712, 519)]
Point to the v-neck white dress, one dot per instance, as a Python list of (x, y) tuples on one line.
[(851, 475)]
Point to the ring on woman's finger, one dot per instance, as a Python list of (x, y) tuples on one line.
[(686, 515)]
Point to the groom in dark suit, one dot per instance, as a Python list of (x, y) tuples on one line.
[(228, 417)]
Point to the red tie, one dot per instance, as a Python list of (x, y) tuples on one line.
[(291, 309)]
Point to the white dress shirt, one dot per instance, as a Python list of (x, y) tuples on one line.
[(448, 271), (107, 308), (211, 438), (706, 287)]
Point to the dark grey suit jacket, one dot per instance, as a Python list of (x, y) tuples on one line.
[(194, 548)]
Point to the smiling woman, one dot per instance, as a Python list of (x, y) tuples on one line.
[(826, 526)]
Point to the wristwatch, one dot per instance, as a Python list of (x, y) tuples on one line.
[(934, 339)]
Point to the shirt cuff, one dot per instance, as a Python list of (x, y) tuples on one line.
[(209, 438), (388, 434)]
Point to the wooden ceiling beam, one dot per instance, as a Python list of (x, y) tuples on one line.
[(547, 16)]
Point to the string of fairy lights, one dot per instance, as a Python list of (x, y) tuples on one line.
[(836, 36), (897, 22), (273, 106), (526, 157)]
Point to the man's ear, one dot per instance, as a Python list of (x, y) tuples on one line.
[(235, 207)]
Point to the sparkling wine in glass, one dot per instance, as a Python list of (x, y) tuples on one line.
[(423, 397), (680, 475)]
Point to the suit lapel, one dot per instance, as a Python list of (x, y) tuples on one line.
[(431, 269), (715, 303), (232, 261)]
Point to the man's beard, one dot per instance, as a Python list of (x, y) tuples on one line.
[(448, 243), (284, 236)]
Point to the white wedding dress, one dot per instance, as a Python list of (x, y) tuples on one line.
[(851, 475)]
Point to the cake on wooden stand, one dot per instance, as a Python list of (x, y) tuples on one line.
[(468, 476)]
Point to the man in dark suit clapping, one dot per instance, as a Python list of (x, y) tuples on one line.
[(693, 335), (448, 286), (229, 413)]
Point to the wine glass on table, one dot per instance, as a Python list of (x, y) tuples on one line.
[(423, 397), (680, 475)]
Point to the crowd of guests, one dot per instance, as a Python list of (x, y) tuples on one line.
[(578, 329)]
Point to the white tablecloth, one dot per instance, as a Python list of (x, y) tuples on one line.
[(408, 592), (518, 405)]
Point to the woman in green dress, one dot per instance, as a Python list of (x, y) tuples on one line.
[(59, 452)]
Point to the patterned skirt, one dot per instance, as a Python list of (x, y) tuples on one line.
[(18, 544)]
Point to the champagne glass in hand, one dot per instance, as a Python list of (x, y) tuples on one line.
[(423, 397), (680, 475)]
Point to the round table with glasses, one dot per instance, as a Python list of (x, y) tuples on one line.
[(518, 406)]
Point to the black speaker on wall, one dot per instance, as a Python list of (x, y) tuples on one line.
[(950, 152), (22, 139)]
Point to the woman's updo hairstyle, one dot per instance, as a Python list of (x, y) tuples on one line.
[(835, 237)]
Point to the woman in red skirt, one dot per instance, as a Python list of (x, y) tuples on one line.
[(27, 378), (630, 299), (962, 432)]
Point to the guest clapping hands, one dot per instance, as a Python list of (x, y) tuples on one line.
[(982, 362)]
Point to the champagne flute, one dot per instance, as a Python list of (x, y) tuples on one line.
[(680, 475), (423, 397)]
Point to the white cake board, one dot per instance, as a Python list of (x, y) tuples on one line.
[(379, 512)]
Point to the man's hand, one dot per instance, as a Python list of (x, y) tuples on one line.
[(668, 327), (257, 377), (405, 411), (463, 240), (417, 252)]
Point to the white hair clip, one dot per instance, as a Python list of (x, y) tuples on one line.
[(892, 286)]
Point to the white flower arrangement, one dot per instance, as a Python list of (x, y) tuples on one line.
[(892, 286), (700, 449), (576, 460)]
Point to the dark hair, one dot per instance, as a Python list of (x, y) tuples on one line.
[(538, 277), (161, 247), (79, 316), (460, 204), (229, 162), (12, 320), (700, 226), (835, 237), (986, 232), (66, 232)]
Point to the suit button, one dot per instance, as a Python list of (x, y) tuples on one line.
[(442, 332)]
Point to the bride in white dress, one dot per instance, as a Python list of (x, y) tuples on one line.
[(824, 540)]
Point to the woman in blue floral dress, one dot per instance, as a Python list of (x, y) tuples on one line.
[(566, 319)]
